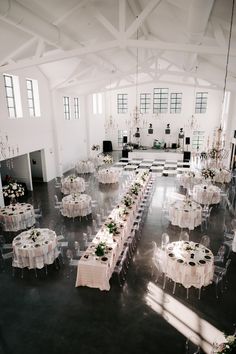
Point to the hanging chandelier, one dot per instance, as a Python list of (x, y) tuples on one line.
[(109, 122), (218, 152)]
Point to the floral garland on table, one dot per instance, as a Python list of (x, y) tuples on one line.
[(208, 173), (34, 235), (95, 147), (100, 249), (123, 211), (107, 159), (127, 201), (135, 188), (13, 191), (228, 347), (111, 226), (144, 176)]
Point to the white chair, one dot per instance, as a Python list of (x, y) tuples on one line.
[(165, 239), (205, 241), (184, 236)]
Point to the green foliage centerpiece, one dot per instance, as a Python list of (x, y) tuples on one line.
[(34, 234), (100, 249), (128, 201), (111, 226)]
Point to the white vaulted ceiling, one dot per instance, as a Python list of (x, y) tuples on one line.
[(85, 45)]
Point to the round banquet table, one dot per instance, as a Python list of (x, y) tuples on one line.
[(185, 214), (35, 251), (222, 176), (74, 205), (206, 194), (189, 263), (110, 175), (85, 167), (189, 179), (19, 216), (72, 184)]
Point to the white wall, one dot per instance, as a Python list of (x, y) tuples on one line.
[(28, 133), (96, 125), (71, 135), (207, 122)]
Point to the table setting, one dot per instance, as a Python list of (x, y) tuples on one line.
[(189, 179), (85, 166), (72, 184), (185, 214), (107, 176), (35, 248), (97, 264), (76, 204), (189, 263), (206, 194), (222, 175), (19, 216)]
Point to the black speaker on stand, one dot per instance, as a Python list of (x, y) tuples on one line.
[(187, 154), (125, 139)]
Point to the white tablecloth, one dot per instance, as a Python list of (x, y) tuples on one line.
[(74, 205), (189, 179), (110, 175), (98, 160), (189, 263), (85, 167), (71, 185), (222, 176), (17, 216), (206, 194), (185, 214), (94, 271), (34, 254)]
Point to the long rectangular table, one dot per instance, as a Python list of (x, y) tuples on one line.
[(94, 271)]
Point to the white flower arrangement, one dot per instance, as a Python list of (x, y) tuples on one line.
[(13, 190), (228, 347), (208, 173), (107, 159)]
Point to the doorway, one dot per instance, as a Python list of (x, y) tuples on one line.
[(36, 166)]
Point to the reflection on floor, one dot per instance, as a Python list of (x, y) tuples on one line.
[(50, 315)]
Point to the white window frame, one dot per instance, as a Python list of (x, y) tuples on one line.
[(13, 100), (76, 108), (66, 105)]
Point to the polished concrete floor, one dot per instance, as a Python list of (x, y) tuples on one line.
[(50, 315)]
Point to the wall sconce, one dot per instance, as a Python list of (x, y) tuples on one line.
[(150, 129)]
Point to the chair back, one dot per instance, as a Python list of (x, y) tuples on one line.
[(221, 252), (205, 241), (165, 239), (184, 236)]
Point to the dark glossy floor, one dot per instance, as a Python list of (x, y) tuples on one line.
[(50, 315)]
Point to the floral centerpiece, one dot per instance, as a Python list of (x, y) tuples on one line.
[(100, 249), (191, 174), (123, 212), (208, 173), (111, 226), (95, 147), (13, 191), (34, 234), (144, 176), (135, 188), (213, 153), (228, 347), (127, 200), (107, 159)]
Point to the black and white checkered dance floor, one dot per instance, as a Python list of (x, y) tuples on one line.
[(161, 167)]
